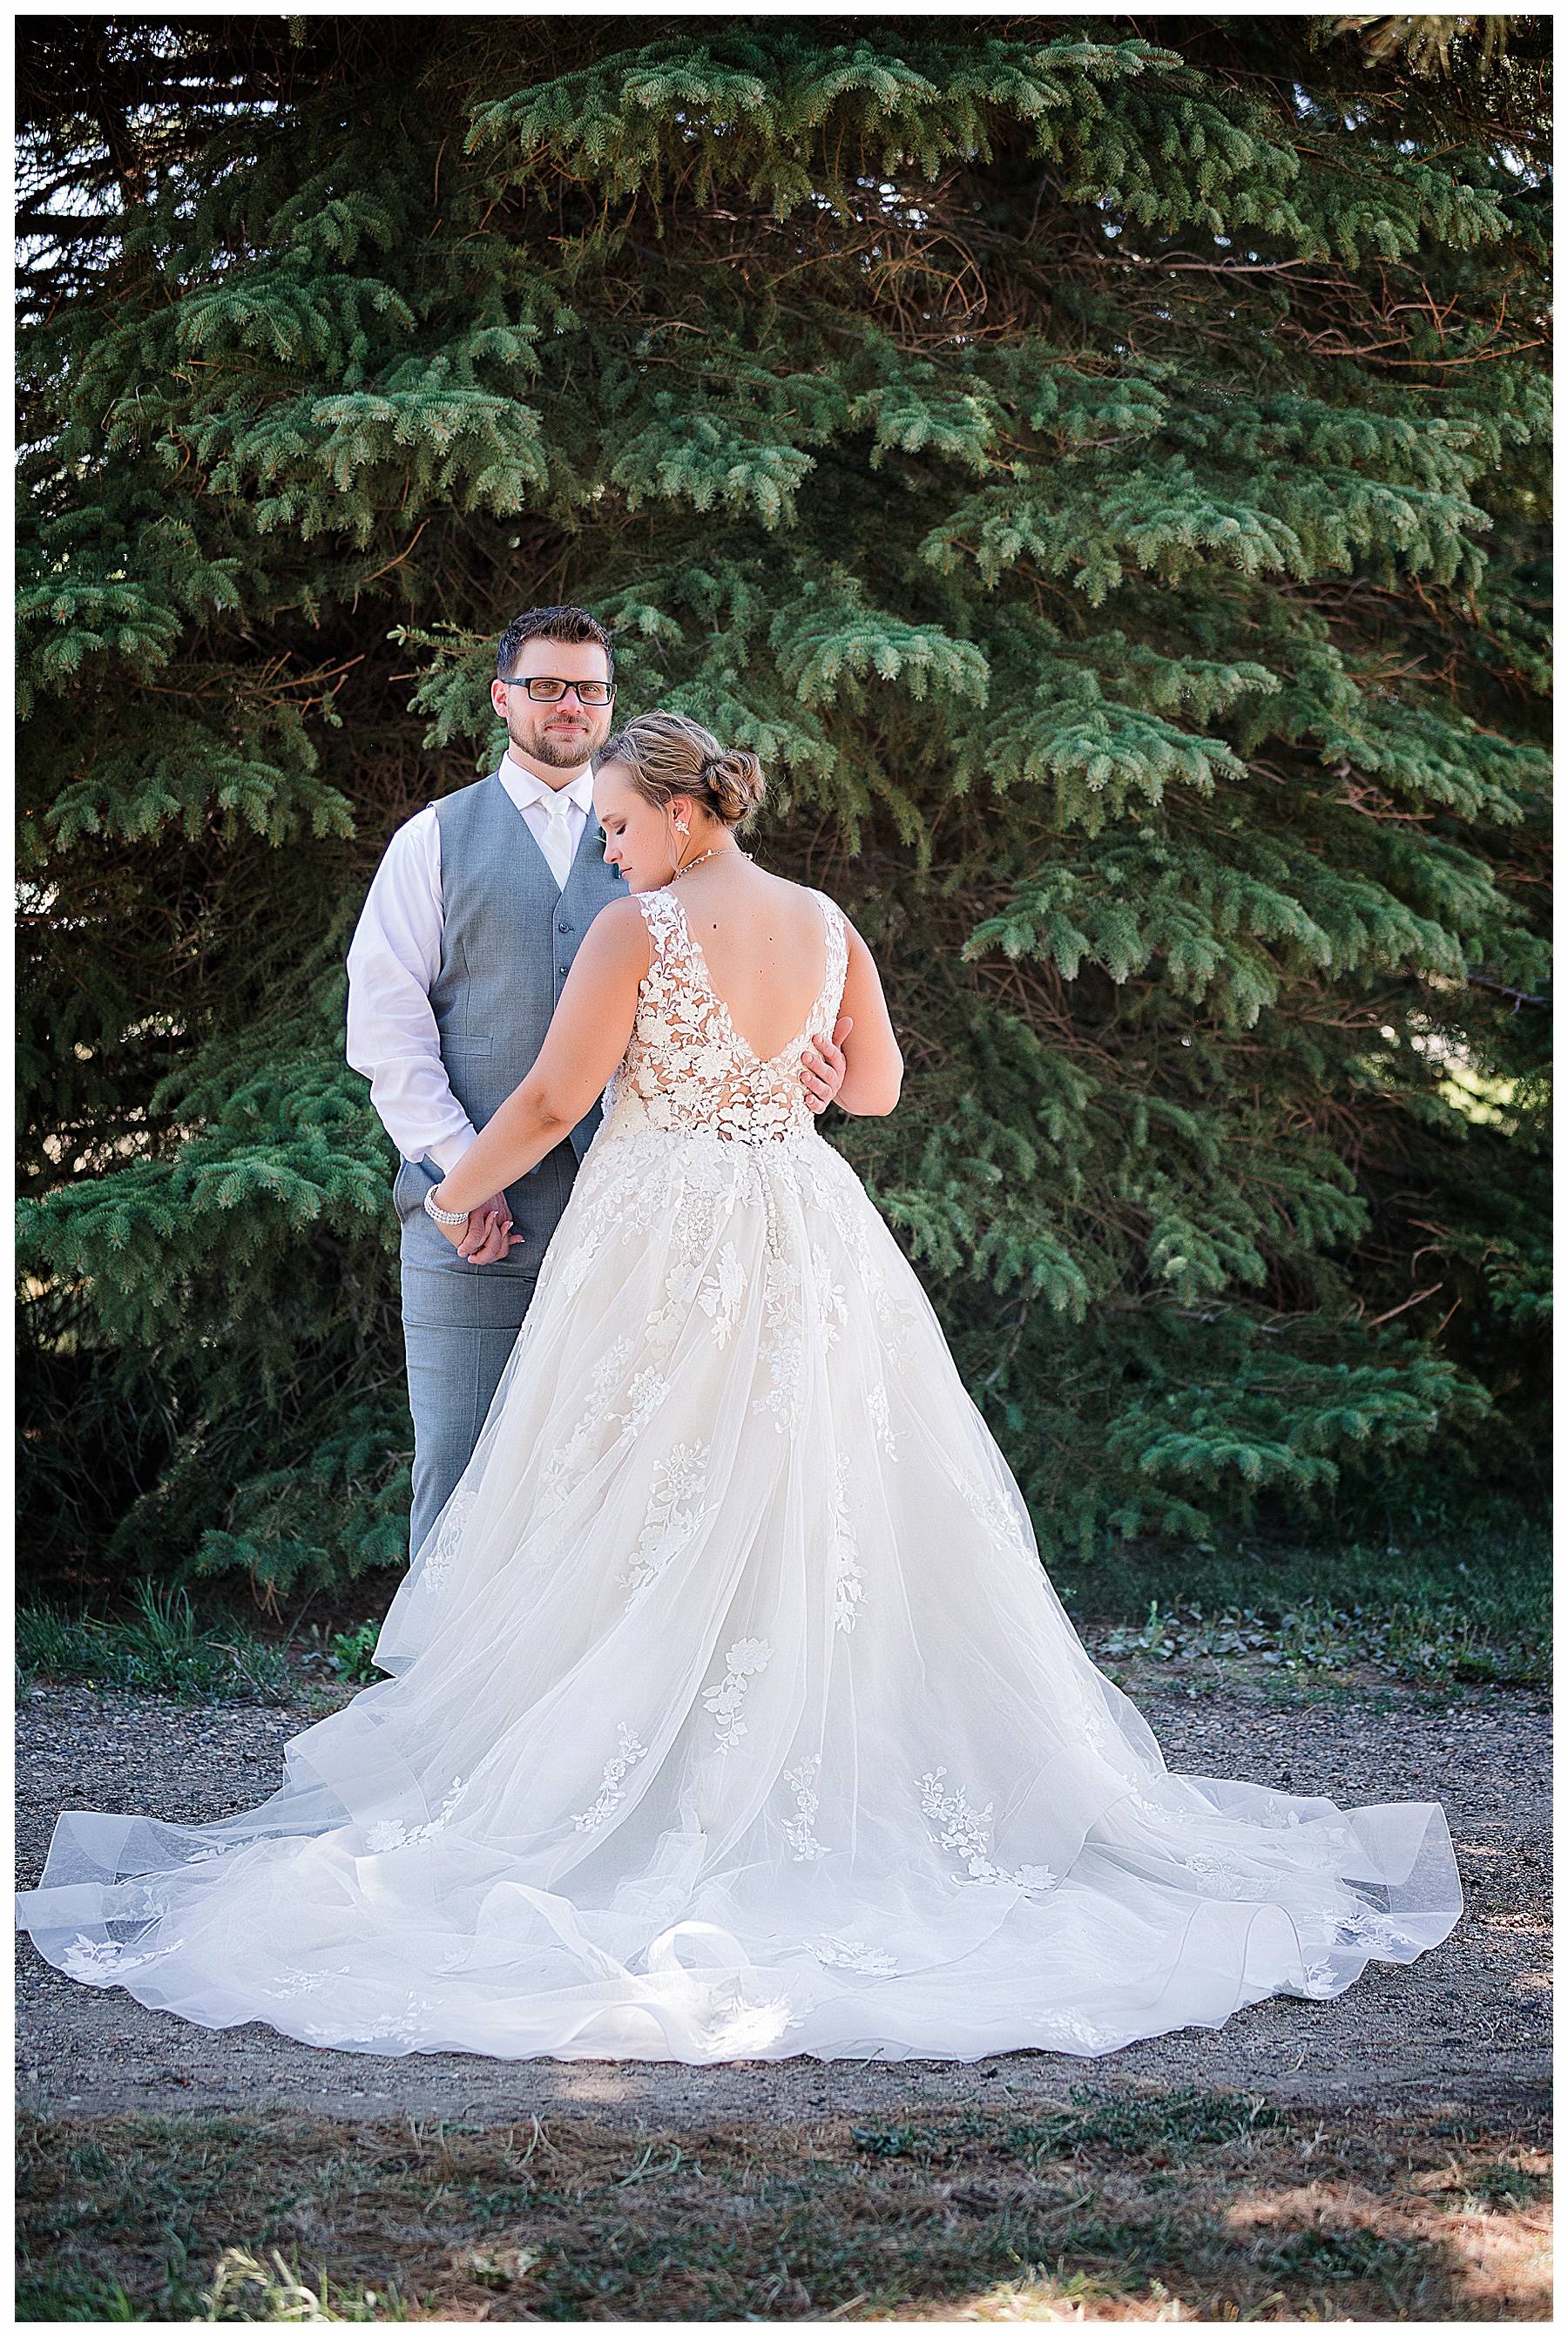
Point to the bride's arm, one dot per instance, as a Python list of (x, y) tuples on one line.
[(586, 1039), (875, 1066)]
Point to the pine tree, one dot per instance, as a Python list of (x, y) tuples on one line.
[(1105, 480)]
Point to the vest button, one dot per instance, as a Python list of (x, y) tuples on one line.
[(563, 928)]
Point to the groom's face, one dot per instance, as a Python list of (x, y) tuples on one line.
[(563, 735)]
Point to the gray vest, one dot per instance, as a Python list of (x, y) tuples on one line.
[(507, 945)]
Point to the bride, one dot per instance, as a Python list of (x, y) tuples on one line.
[(732, 1714)]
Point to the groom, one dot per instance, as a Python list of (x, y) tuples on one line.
[(467, 934)]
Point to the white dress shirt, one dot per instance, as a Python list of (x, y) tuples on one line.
[(396, 954)]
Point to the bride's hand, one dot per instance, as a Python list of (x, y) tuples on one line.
[(486, 1238), (822, 1066)]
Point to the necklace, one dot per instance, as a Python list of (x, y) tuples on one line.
[(686, 868)]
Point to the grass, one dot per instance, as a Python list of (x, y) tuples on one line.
[(1112, 2206), (161, 1649), (1443, 1603), (1412, 1643)]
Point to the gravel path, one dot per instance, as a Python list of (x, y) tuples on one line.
[(1469, 2023)]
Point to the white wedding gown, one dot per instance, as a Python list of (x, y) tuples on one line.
[(732, 1714)]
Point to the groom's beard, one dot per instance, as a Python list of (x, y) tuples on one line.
[(561, 750)]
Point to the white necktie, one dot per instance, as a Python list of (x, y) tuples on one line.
[(558, 837)]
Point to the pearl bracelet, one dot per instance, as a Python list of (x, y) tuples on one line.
[(443, 1216)]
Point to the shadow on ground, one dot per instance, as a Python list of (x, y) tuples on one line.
[(1379, 2157)]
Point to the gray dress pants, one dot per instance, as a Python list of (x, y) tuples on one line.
[(460, 1323)]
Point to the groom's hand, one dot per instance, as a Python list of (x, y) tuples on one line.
[(487, 1237), (822, 1066)]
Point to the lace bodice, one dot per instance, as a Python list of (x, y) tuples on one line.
[(687, 1068)]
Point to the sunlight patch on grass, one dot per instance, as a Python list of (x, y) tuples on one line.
[(1113, 2206)]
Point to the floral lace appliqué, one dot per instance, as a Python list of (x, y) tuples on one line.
[(848, 1590), (575, 1266), (406, 2028), (612, 1792), (784, 1345), (100, 1962), (643, 1398), (721, 1294), (1369, 1928), (882, 1425), (997, 1517), (831, 1310), (391, 1834), (839, 1193), (743, 1661), (854, 1955), (571, 1460), (675, 1510), (1069, 2032), (449, 1535), (802, 1782), (298, 1981), (968, 1832)]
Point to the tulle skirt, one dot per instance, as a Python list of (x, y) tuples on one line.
[(733, 1716)]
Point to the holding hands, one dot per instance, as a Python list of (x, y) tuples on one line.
[(484, 1237), (487, 1237)]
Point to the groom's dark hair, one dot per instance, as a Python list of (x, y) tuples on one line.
[(566, 625)]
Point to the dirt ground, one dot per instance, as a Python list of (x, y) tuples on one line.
[(1466, 2025)]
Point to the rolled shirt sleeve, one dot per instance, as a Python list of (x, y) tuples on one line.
[(393, 962)]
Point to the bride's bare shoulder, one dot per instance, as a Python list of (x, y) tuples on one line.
[(624, 915), (802, 897), (618, 936)]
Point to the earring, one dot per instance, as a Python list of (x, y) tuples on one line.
[(682, 828)]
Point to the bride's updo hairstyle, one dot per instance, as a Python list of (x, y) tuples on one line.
[(670, 755)]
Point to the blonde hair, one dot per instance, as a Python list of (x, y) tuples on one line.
[(670, 755)]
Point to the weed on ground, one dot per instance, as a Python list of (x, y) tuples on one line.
[(157, 1649), (1186, 2207), (1440, 1645), (1442, 1607), (161, 1649)]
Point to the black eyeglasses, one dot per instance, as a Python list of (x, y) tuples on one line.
[(548, 689)]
